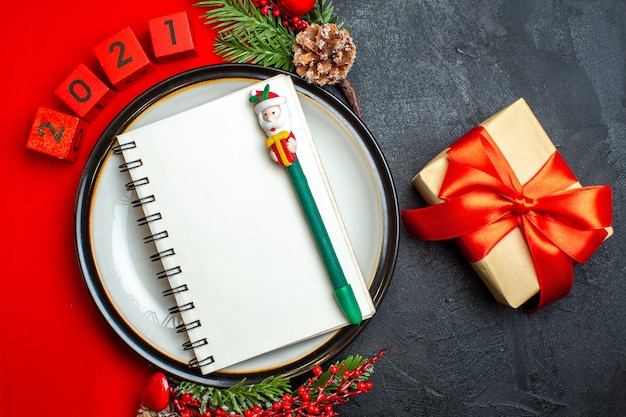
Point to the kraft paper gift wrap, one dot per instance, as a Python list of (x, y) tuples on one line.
[(508, 268)]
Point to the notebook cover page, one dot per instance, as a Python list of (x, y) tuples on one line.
[(249, 260)]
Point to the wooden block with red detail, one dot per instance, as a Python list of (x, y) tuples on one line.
[(123, 59), (56, 134), (84, 92), (172, 37)]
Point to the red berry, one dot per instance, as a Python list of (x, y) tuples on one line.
[(265, 10), (369, 385), (257, 409), (296, 7), (318, 370), (263, 2), (334, 370), (156, 394), (276, 12), (361, 386), (185, 398), (248, 413)]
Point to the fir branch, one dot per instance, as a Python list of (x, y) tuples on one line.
[(273, 397), (238, 397), (247, 36), (322, 13), (241, 16), (348, 364), (249, 50)]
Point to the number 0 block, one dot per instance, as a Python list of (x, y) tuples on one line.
[(56, 134), (123, 59), (172, 37), (84, 92)]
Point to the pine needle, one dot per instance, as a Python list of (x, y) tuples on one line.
[(239, 397), (247, 36), (350, 363)]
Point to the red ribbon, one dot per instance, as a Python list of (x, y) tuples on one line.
[(484, 201)]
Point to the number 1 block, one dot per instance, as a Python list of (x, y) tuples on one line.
[(172, 37), (56, 134), (84, 92), (123, 59)]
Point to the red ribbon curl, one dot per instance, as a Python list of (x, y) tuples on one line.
[(484, 201)]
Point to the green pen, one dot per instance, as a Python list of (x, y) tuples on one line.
[(273, 117)]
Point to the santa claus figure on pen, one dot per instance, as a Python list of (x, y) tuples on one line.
[(274, 117)]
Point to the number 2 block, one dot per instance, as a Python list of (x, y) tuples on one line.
[(172, 37), (56, 134), (84, 92), (123, 59)]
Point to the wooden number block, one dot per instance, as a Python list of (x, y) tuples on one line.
[(123, 59), (172, 37), (56, 134), (84, 92)]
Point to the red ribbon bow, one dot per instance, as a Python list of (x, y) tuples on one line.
[(484, 201)]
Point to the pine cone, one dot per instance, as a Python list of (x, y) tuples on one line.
[(323, 54)]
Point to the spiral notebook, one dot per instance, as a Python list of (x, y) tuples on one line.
[(228, 230)]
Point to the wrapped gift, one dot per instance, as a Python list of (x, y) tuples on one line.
[(515, 208)]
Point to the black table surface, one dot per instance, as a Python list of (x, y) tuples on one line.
[(425, 73)]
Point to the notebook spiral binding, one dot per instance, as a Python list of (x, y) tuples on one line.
[(165, 273), (195, 363), (119, 149), (193, 345), (156, 236), (182, 328), (175, 290), (143, 201)]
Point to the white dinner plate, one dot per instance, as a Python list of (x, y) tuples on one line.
[(113, 258)]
